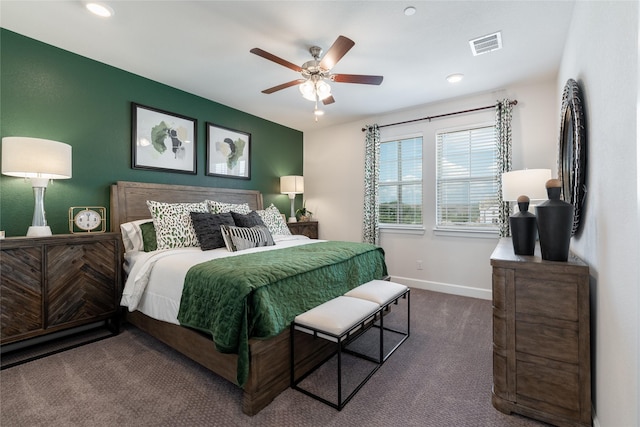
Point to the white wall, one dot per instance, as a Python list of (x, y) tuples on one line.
[(601, 53), (333, 170)]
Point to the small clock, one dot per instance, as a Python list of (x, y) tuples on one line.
[(87, 219)]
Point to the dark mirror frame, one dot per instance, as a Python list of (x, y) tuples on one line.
[(572, 160)]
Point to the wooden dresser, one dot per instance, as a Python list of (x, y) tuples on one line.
[(541, 338), (50, 284)]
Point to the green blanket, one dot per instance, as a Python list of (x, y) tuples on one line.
[(259, 294)]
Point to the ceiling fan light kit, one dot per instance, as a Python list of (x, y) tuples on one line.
[(312, 85), (315, 89)]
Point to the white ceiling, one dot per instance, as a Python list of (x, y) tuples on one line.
[(202, 47)]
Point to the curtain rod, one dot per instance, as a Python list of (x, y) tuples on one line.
[(514, 102)]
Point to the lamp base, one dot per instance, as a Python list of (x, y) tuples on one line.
[(39, 231), (292, 219)]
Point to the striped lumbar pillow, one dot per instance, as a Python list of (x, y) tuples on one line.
[(241, 238)]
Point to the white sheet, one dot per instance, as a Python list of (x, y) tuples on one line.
[(155, 281)]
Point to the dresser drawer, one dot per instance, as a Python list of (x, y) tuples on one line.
[(554, 389), (555, 298), (555, 343)]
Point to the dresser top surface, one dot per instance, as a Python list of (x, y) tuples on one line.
[(503, 253)]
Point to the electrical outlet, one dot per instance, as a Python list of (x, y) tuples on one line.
[(419, 264)]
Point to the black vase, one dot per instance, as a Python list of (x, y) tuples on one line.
[(555, 220), (523, 228)]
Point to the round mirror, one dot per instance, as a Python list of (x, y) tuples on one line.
[(572, 151)]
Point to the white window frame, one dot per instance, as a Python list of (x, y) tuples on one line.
[(485, 231), (406, 228)]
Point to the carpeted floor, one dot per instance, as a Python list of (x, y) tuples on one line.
[(441, 376)]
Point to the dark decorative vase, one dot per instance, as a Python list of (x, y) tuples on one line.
[(555, 220), (523, 228)]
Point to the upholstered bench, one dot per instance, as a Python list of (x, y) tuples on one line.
[(384, 293), (341, 320)]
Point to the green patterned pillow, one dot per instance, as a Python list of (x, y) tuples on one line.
[(173, 225), (221, 207), (272, 218)]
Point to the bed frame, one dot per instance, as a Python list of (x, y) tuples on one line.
[(269, 373)]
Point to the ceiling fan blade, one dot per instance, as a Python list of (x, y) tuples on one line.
[(328, 100), (277, 60), (283, 86), (357, 78), (338, 49)]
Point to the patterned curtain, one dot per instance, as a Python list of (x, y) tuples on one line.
[(371, 210), (503, 139)]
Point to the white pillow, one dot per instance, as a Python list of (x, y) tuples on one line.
[(272, 218), (172, 221), (132, 235), (216, 207)]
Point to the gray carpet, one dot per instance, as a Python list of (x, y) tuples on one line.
[(441, 376)]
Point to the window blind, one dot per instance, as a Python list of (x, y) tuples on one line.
[(400, 182), (466, 178)]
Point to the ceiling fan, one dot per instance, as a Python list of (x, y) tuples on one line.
[(314, 72)]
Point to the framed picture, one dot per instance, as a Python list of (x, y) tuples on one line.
[(228, 152), (162, 140)]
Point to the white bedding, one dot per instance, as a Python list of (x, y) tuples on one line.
[(155, 279)]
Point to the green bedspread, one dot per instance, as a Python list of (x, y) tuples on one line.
[(259, 294)]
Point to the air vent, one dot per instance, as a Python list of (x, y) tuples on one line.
[(486, 44)]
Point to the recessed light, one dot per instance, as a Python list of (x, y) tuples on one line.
[(100, 9), (455, 78), (410, 10)]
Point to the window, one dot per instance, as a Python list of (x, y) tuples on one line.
[(400, 182), (466, 179)]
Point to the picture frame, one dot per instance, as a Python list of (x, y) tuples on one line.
[(163, 141), (228, 152)]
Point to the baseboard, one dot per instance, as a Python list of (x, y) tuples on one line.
[(446, 288), (594, 417)]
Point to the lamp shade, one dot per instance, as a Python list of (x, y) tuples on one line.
[(292, 184), (527, 182), (35, 158)]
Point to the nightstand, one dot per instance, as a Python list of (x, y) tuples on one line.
[(56, 283), (305, 228)]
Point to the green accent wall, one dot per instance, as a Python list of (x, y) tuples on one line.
[(47, 92)]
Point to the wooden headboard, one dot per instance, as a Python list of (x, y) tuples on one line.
[(129, 199)]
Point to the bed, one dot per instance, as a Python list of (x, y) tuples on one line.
[(267, 358)]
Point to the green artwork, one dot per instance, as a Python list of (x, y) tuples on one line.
[(233, 150), (161, 132)]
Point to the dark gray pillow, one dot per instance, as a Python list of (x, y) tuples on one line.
[(207, 227), (247, 220)]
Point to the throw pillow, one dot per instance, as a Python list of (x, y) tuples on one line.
[(272, 218), (241, 238), (247, 220), (149, 239), (207, 228), (173, 225), (221, 207)]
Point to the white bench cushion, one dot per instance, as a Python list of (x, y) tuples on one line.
[(381, 292), (338, 315)]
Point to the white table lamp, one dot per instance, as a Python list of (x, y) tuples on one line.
[(292, 185), (527, 182), (39, 160)]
